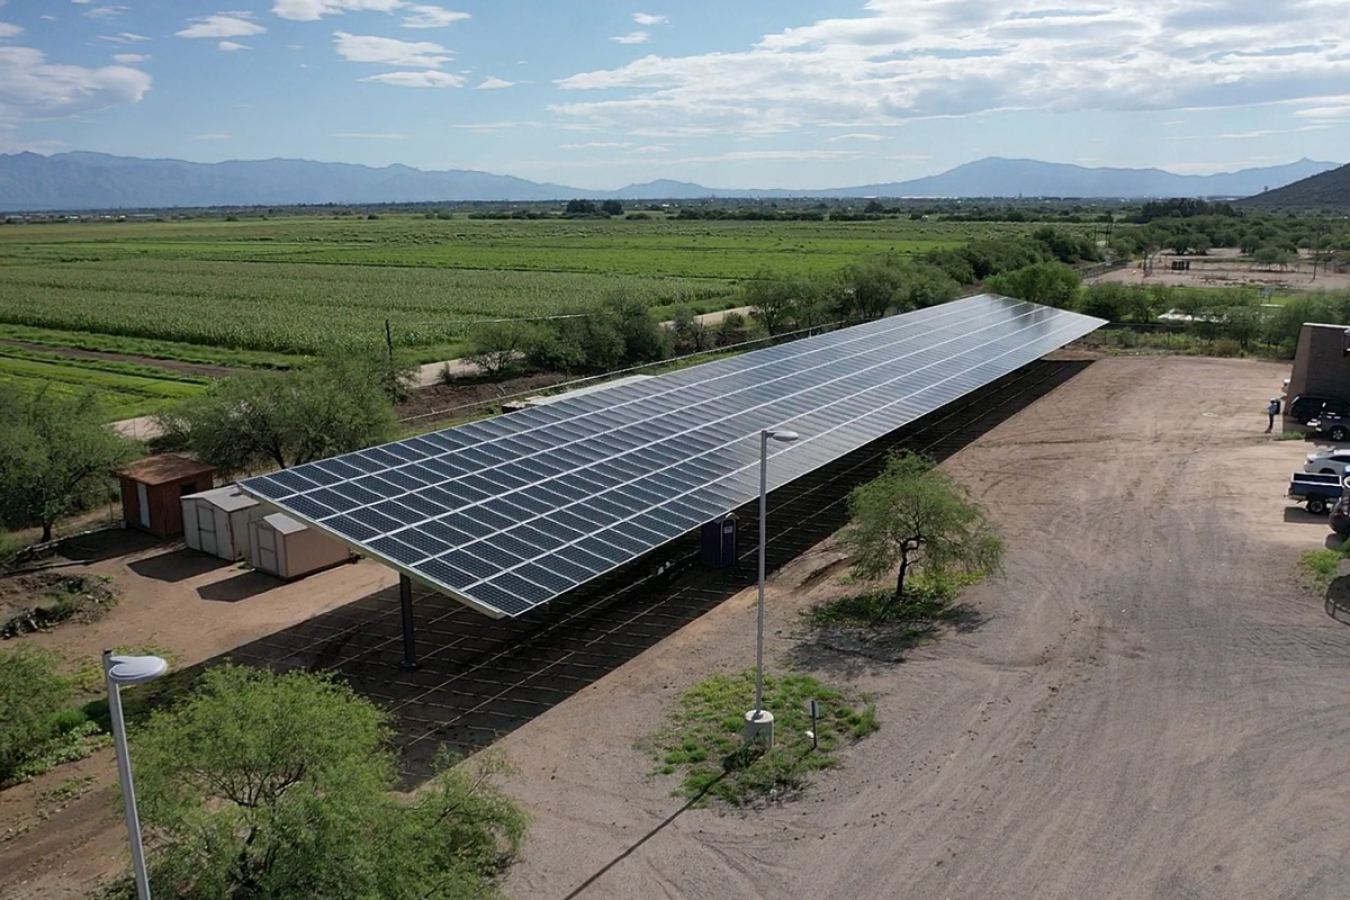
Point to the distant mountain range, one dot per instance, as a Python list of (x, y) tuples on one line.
[(90, 181), (1329, 190)]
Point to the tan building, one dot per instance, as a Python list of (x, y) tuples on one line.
[(1321, 363)]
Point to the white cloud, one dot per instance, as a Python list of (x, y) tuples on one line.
[(32, 88), (370, 49), (232, 47), (8, 31), (105, 12), (636, 37), (789, 155), (652, 148), (1340, 110), (211, 136), (495, 84), (1238, 135), (431, 17), (220, 26), (370, 136), (854, 137), (419, 79), (649, 20), (489, 127), (597, 145), (123, 37), (899, 60), (312, 10), (130, 59)]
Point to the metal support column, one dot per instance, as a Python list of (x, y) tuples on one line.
[(409, 640)]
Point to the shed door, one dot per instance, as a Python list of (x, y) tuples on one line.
[(143, 504), (267, 552), (206, 530)]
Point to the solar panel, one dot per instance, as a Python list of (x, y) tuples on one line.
[(508, 513)]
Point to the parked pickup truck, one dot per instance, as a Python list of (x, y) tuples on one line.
[(1333, 426), (1317, 491)]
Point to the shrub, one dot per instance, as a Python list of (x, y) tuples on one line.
[(32, 698), (280, 786)]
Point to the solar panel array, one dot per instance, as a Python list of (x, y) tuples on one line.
[(510, 512)]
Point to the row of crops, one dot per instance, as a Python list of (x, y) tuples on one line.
[(126, 390), (300, 308), (269, 291)]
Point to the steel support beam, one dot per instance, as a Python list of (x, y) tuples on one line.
[(409, 639)]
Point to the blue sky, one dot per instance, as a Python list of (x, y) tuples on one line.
[(737, 93)]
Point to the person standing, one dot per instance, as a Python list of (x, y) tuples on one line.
[(1272, 410)]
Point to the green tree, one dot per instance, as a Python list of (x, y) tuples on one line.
[(926, 285), (1273, 256), (874, 284), (285, 419), (770, 299), (689, 333), (643, 338), (56, 456), (31, 697), (497, 347), (612, 208), (1050, 283), (279, 786), (915, 515)]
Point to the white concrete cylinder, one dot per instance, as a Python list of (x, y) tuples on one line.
[(759, 728)]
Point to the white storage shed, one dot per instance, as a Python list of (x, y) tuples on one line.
[(283, 547), (216, 521)]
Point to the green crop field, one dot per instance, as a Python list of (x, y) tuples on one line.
[(271, 292), (125, 389)]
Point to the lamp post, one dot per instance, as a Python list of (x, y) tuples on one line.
[(759, 721), (119, 671)]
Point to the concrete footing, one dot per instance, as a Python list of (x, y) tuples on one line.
[(759, 728)]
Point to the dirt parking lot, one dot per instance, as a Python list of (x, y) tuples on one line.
[(1149, 707)]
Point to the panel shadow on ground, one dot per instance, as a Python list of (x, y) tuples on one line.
[(481, 678)]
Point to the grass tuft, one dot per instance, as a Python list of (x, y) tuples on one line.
[(704, 737)]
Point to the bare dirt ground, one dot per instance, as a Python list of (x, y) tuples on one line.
[(1150, 707), (1219, 269)]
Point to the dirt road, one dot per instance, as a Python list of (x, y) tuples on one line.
[(1150, 706)]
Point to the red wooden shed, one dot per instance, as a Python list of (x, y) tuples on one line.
[(153, 488)]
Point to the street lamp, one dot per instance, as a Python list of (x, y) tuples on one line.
[(119, 671), (759, 721)]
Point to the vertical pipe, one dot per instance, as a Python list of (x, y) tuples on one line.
[(405, 604), (119, 730), (759, 625)]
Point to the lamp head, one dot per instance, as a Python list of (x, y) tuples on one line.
[(125, 670), (786, 437)]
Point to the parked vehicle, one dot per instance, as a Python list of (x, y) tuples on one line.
[(1306, 407), (1319, 492), (1340, 516), (1333, 426), (1328, 462)]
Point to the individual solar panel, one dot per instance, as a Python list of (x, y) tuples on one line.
[(530, 504)]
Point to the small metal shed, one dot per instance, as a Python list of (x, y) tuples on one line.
[(216, 522), (281, 546), (152, 488)]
